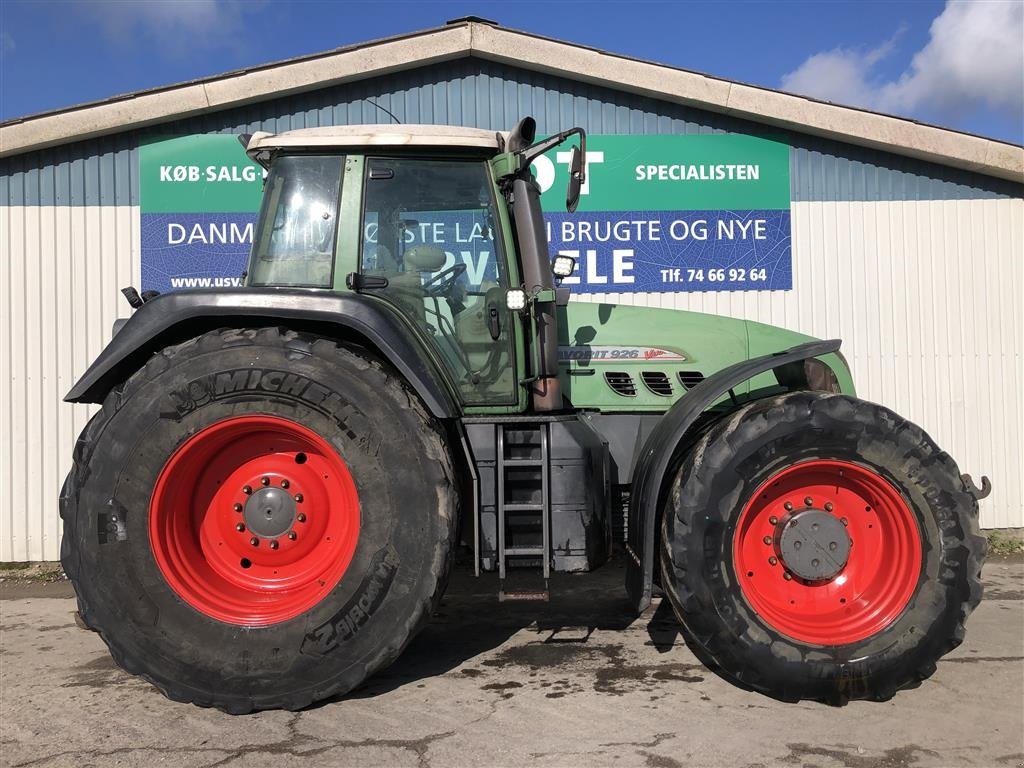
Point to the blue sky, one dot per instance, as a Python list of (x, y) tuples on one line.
[(958, 64)]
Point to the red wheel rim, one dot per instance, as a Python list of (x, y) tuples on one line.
[(254, 520), (880, 574)]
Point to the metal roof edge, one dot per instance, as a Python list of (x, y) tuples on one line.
[(232, 89), (800, 114), (469, 37)]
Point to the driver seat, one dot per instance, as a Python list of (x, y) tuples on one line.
[(408, 284)]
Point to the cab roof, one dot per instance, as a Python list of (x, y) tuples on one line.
[(377, 135)]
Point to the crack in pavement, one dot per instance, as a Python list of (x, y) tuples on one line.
[(897, 757), (287, 747), (656, 741), (295, 744), (119, 751)]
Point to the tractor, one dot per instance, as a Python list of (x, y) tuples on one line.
[(266, 506)]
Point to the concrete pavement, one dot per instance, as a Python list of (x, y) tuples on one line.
[(576, 682)]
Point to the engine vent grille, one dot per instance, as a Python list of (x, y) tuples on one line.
[(690, 379), (657, 382), (621, 382)]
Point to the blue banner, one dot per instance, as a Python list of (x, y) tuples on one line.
[(653, 251), (195, 250)]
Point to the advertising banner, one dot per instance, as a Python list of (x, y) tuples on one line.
[(657, 213), (198, 196), (674, 213)]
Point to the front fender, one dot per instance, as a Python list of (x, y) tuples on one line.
[(653, 464), (174, 317)]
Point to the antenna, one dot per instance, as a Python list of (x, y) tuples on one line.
[(385, 111)]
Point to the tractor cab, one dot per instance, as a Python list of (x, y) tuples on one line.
[(420, 217)]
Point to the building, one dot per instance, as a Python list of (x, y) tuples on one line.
[(906, 240)]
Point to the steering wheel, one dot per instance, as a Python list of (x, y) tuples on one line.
[(442, 283)]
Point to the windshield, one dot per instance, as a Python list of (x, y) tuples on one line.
[(295, 237)]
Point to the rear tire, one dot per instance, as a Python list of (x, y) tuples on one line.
[(353, 516), (896, 551)]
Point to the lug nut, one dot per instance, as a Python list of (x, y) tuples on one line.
[(773, 560), (808, 500), (265, 480), (787, 576), (300, 517), (274, 544), (292, 535), (788, 506), (238, 507), (815, 563), (298, 497), (797, 544), (240, 527), (767, 539), (773, 520), (246, 489), (254, 541), (844, 521), (285, 483), (828, 506), (832, 546)]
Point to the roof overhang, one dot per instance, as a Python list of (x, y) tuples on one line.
[(527, 51)]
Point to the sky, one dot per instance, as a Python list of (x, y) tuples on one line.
[(955, 63)]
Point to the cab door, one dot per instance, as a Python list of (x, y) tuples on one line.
[(431, 227)]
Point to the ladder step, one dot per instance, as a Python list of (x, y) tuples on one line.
[(516, 449), (539, 595)]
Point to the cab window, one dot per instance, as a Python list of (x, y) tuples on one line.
[(429, 227), (295, 241)]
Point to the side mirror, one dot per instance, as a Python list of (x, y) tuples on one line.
[(572, 194)]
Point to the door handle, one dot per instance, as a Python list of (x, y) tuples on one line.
[(493, 321)]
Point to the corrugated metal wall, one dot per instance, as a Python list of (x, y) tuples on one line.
[(916, 266), (927, 297), (62, 267)]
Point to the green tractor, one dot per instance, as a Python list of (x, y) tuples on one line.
[(266, 508)]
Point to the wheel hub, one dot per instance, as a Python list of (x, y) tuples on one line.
[(813, 545), (270, 512)]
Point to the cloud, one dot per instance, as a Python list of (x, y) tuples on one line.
[(842, 74), (973, 60), (176, 26)]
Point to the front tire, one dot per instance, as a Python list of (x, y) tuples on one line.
[(258, 519), (820, 547)]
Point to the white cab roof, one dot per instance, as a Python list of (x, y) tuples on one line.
[(382, 135)]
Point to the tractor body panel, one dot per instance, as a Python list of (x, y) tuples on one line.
[(617, 358), (176, 317)]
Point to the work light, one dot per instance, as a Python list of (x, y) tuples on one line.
[(515, 299), (563, 265)]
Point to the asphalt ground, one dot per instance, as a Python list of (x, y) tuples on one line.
[(576, 682)]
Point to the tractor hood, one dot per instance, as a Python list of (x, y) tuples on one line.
[(614, 357)]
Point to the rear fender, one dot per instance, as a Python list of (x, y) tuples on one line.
[(656, 458), (175, 317)]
